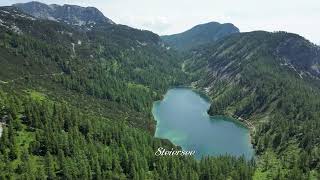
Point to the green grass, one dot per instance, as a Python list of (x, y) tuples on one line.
[(138, 86), (35, 95), (23, 140)]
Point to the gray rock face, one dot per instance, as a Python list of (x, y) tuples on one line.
[(70, 14), (0, 130)]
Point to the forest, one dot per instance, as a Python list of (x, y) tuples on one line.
[(84, 111), (45, 139), (76, 103), (251, 80)]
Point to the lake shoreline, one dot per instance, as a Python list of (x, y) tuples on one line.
[(162, 132), (205, 94), (244, 122)]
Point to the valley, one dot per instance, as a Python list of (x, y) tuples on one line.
[(245, 79), (77, 95)]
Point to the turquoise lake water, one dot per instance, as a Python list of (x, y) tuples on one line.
[(182, 118)]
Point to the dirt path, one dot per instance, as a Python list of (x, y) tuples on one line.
[(20, 78), (41, 75)]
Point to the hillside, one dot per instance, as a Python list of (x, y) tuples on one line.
[(200, 35), (76, 103), (270, 80), (98, 62), (76, 92)]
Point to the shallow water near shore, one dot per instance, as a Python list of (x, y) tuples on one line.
[(182, 118)]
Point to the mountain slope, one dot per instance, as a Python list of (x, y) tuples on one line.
[(270, 82), (76, 104), (70, 14), (98, 62), (200, 35)]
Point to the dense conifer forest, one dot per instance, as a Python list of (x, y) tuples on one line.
[(249, 76), (75, 102), (46, 139)]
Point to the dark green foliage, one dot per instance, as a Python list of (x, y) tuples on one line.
[(124, 66), (64, 143), (85, 113), (253, 76)]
